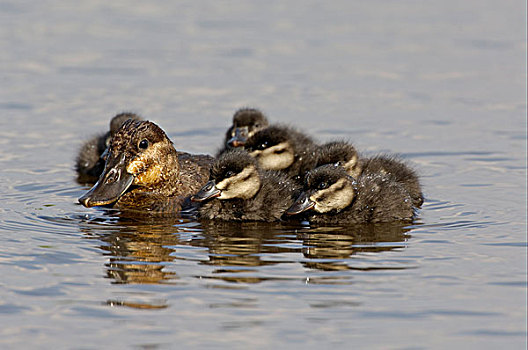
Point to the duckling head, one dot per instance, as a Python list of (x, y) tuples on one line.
[(272, 147), (233, 175), (340, 153), (246, 122), (326, 188), (140, 155)]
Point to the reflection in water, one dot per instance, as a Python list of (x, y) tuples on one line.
[(140, 251)]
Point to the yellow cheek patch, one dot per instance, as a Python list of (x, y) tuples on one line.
[(135, 167)]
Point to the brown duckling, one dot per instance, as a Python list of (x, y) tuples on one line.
[(144, 172), (337, 198), (246, 122), (238, 190), (344, 154), (280, 147), (89, 164)]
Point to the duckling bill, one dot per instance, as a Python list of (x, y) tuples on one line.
[(143, 172)]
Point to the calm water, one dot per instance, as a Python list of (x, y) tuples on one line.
[(443, 83)]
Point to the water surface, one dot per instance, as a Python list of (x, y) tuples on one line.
[(441, 83)]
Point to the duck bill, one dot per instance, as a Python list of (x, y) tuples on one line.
[(303, 203), (240, 137), (112, 184), (208, 191)]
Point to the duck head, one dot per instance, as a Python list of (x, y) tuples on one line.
[(326, 188), (246, 122), (233, 175), (140, 155)]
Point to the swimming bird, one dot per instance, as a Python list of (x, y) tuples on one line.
[(144, 173), (331, 196), (238, 190), (344, 154)]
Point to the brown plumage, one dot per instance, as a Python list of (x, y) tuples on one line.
[(238, 190), (89, 163), (334, 197), (145, 173)]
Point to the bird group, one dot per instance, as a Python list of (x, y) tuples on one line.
[(263, 172)]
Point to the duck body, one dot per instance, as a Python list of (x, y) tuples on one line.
[(331, 196), (246, 122), (144, 173), (89, 163), (395, 168), (238, 190), (344, 154), (280, 147)]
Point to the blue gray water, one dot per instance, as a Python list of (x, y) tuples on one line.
[(442, 83)]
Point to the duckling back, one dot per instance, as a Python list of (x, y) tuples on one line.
[(395, 168)]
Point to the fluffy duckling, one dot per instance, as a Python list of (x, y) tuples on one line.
[(279, 147), (89, 164), (144, 173), (344, 154), (238, 190), (337, 198), (246, 122)]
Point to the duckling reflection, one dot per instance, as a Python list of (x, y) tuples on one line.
[(330, 248), (152, 251), (246, 122), (89, 163)]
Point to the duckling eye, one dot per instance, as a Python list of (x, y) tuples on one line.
[(263, 145), (322, 185), (143, 144), (229, 173)]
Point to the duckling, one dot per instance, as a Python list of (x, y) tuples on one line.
[(337, 198), (238, 190), (280, 147), (144, 173), (246, 122), (344, 154), (89, 164)]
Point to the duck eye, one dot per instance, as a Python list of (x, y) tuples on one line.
[(263, 145), (143, 144), (229, 173), (323, 185)]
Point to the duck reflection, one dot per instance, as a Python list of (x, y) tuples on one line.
[(147, 252), (330, 248)]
